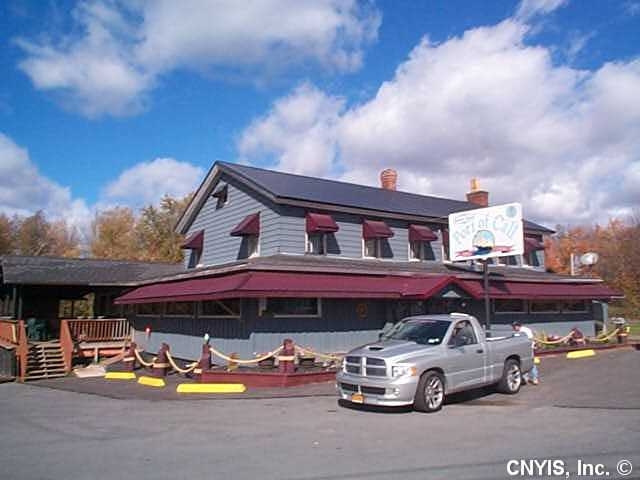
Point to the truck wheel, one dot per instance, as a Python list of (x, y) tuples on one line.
[(430, 393), (511, 380)]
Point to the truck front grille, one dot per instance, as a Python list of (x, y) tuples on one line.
[(365, 366)]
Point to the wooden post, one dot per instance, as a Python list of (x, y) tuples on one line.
[(129, 360), (66, 343), (161, 365), (22, 351), (287, 357)]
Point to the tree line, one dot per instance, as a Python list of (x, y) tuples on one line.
[(121, 233), (618, 247), (118, 233)]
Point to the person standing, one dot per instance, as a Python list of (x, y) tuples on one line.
[(531, 376)]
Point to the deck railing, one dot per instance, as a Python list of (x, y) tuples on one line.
[(99, 330)]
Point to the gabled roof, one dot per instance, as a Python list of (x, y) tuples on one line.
[(287, 188), (20, 270)]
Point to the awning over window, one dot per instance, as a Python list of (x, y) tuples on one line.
[(421, 233), (194, 241), (289, 284), (375, 229), (532, 244), (321, 223), (546, 290), (249, 226)]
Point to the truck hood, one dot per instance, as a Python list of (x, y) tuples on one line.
[(396, 350)]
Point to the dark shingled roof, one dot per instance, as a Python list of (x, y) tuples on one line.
[(80, 271), (298, 187)]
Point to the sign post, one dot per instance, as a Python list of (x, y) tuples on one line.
[(486, 233)]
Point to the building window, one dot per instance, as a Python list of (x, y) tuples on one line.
[(149, 309), (544, 306), (291, 307), (372, 248), (316, 243), (179, 309), (229, 308), (511, 260), (575, 306), (194, 257), (253, 245), (221, 196), (416, 250), (511, 305)]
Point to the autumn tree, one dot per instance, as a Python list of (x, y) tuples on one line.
[(6, 235), (618, 247), (155, 230), (114, 235)]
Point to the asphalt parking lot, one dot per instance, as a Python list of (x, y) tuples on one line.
[(584, 410)]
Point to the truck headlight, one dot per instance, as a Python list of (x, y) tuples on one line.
[(403, 371)]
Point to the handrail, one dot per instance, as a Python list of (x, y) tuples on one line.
[(66, 344), (22, 351), (8, 331), (98, 330)]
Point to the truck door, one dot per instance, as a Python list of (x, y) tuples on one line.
[(466, 357)]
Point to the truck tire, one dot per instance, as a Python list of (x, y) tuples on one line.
[(511, 380), (430, 392)]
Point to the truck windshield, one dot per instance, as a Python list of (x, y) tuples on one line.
[(424, 332)]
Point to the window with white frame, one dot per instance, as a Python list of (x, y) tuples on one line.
[(291, 307), (371, 248), (253, 245), (316, 244)]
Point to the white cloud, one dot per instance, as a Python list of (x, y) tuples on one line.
[(528, 9), (24, 190), (300, 131), (124, 49), (146, 182), (563, 141)]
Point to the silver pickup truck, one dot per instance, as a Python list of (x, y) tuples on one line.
[(423, 358)]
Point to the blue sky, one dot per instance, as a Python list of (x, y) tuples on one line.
[(107, 102)]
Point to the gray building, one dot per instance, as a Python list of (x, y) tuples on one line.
[(271, 255)]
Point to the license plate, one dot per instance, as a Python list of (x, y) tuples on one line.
[(357, 398)]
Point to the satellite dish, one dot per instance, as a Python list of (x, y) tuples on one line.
[(589, 258)]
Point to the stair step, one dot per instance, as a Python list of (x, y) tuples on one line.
[(46, 375), (52, 371)]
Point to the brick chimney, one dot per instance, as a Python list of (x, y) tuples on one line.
[(477, 196), (388, 179)]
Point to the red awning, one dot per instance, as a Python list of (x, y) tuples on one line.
[(375, 229), (320, 223), (249, 226), (532, 244), (289, 284), (539, 290), (194, 242), (421, 233)]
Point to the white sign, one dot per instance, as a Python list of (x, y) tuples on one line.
[(486, 233)]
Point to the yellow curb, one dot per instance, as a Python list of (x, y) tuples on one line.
[(536, 360), (581, 353), (151, 381), (211, 388), (120, 376)]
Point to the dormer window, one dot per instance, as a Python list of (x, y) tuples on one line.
[(373, 232), (318, 226), (420, 237), (221, 196), (194, 244), (249, 230)]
